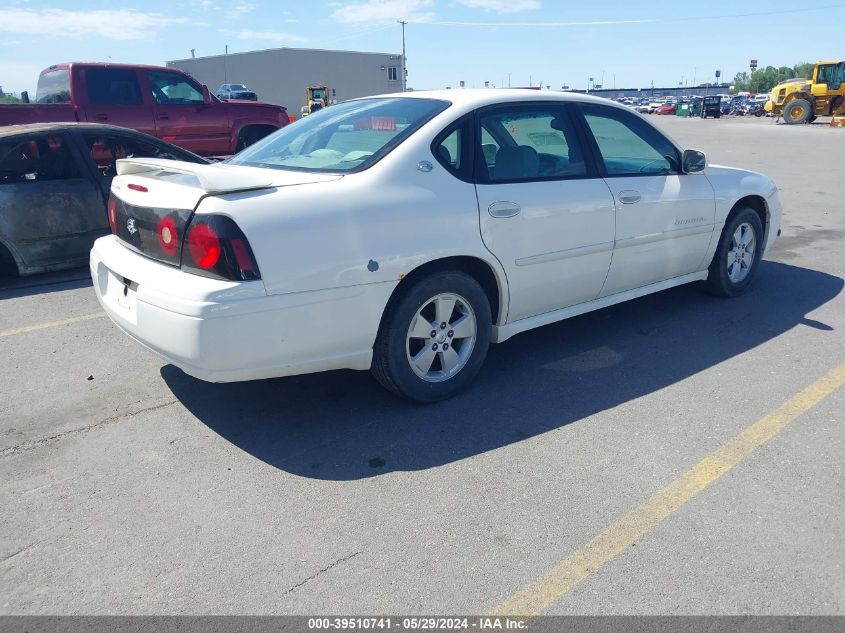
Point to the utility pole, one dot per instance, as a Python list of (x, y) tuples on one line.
[(404, 70), (225, 70)]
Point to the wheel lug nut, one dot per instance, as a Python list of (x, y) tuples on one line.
[(445, 346), (443, 325), (433, 333), (451, 333), (434, 347)]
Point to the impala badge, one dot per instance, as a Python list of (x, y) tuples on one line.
[(130, 226)]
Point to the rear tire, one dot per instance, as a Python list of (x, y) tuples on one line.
[(738, 254), (797, 111), (413, 364), (8, 266)]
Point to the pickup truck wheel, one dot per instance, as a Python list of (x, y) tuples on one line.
[(8, 267), (251, 135), (737, 255), (433, 338)]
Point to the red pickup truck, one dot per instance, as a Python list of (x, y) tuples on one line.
[(162, 102)]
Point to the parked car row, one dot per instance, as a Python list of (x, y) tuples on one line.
[(738, 105)]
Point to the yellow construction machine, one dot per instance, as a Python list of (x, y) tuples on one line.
[(802, 100)]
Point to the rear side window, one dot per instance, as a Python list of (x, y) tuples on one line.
[(36, 159), (529, 143), (453, 150), (53, 87), (113, 86), (628, 145)]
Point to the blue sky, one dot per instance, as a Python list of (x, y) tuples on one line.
[(556, 42)]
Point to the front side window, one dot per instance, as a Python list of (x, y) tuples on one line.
[(529, 143), (36, 159), (173, 89), (106, 149), (112, 86), (628, 145), (346, 137)]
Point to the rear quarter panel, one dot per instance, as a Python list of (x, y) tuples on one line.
[(372, 227)]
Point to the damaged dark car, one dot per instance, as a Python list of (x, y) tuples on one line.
[(54, 187)]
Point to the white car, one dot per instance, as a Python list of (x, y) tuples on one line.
[(404, 234)]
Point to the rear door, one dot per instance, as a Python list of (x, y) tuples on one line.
[(104, 147), (664, 218), (544, 212), (182, 118), (52, 210), (114, 96)]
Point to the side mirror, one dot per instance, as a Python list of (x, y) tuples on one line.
[(694, 161), (206, 96)]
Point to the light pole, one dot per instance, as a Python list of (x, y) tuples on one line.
[(404, 71)]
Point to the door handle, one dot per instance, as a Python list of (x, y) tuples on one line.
[(163, 116), (629, 196), (102, 117), (504, 209)]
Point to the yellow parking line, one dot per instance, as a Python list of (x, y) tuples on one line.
[(44, 326), (560, 579)]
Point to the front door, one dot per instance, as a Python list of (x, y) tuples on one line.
[(52, 210), (544, 213), (182, 118), (664, 218)]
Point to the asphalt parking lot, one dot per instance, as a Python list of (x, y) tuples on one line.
[(567, 480)]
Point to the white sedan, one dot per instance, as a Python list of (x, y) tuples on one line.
[(405, 233)]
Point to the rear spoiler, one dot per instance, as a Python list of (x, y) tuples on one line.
[(213, 178)]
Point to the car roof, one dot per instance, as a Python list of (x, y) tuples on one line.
[(29, 128), (476, 97)]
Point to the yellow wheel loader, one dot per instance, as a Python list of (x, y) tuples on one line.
[(802, 100)]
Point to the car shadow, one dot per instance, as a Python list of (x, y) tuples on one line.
[(13, 287), (343, 426)]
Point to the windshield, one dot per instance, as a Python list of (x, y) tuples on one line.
[(238, 87), (53, 87), (347, 137)]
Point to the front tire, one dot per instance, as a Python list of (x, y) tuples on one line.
[(738, 254), (433, 337), (797, 111)]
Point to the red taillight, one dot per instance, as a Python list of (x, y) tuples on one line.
[(204, 245), (113, 215), (242, 255), (168, 237), (216, 247), (135, 187)]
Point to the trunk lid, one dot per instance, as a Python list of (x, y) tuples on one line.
[(153, 200)]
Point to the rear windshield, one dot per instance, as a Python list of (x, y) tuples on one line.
[(347, 137), (53, 87)]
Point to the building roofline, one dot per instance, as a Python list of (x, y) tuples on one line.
[(284, 48)]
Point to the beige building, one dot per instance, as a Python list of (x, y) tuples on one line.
[(281, 75)]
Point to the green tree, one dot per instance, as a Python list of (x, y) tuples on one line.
[(9, 99), (764, 79)]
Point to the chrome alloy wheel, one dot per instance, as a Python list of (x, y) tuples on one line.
[(441, 337), (741, 253)]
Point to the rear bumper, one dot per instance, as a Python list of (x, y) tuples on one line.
[(223, 331)]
